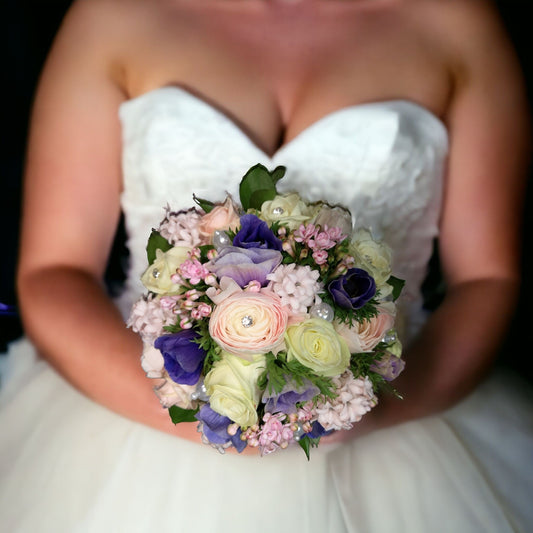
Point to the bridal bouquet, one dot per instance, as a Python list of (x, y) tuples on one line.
[(268, 322)]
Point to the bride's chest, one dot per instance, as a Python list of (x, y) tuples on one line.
[(276, 76)]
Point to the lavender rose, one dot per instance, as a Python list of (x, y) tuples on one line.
[(245, 265), (183, 356), (255, 233), (215, 428), (353, 290)]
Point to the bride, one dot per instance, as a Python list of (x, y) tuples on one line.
[(409, 112)]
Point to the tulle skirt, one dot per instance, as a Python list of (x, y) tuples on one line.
[(69, 465)]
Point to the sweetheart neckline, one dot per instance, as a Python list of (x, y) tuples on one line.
[(220, 112)]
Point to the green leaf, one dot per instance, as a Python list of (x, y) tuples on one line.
[(306, 443), (397, 286), (278, 173), (206, 205), (306, 446), (156, 242), (263, 195), (258, 178), (177, 414)]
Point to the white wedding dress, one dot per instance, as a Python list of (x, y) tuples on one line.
[(69, 465)]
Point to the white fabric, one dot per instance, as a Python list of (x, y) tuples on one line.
[(68, 465)]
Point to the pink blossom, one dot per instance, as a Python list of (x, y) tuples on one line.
[(320, 257), (322, 241), (335, 234), (253, 286), (355, 397), (182, 228), (296, 285), (193, 270), (275, 433), (305, 233), (148, 317), (169, 302)]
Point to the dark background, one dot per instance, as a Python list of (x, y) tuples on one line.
[(28, 34)]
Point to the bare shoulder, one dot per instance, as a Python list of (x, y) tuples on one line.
[(471, 31), (101, 34)]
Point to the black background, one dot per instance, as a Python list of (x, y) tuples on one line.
[(28, 32)]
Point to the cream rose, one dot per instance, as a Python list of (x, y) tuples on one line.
[(156, 277), (373, 256), (289, 209), (249, 323), (221, 217), (232, 388), (171, 393), (333, 217), (315, 344), (152, 361), (364, 336)]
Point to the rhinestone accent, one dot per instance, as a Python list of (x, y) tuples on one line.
[(156, 273), (247, 321), (278, 211)]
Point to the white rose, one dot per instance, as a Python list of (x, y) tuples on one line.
[(232, 387), (289, 209), (373, 256), (156, 277), (315, 344)]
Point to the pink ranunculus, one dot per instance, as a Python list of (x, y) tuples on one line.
[(222, 217), (364, 336), (248, 323)]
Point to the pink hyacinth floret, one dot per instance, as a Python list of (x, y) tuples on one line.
[(148, 317), (355, 397), (296, 285), (181, 229)]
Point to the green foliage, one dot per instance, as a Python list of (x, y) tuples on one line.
[(204, 249), (156, 242), (208, 344), (206, 205), (397, 286), (174, 328), (349, 316), (360, 364), (278, 369), (306, 443), (177, 414), (259, 185)]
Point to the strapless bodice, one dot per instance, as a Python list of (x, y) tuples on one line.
[(383, 160)]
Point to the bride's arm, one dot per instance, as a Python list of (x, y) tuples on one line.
[(479, 228), (70, 212)]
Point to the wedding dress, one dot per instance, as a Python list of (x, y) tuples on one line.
[(69, 465)]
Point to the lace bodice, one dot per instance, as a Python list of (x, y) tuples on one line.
[(382, 160)]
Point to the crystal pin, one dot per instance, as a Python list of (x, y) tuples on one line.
[(247, 321)]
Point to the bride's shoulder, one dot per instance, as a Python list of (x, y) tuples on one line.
[(471, 33), (463, 22)]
